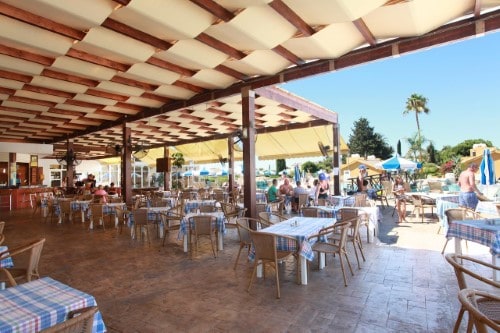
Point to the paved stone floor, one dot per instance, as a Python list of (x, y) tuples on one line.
[(405, 285)]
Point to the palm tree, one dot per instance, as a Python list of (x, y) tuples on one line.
[(415, 142), (418, 104)]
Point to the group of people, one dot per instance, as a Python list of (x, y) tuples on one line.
[(319, 190)]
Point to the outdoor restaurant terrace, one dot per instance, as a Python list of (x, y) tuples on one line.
[(90, 80)]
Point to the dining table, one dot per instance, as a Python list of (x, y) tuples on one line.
[(301, 228), (373, 213), (108, 209), (191, 206), (342, 200), (42, 303), (185, 228), (485, 232)]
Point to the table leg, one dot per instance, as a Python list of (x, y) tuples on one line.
[(220, 241), (496, 273), (185, 242), (83, 216), (260, 269), (458, 246), (303, 270)]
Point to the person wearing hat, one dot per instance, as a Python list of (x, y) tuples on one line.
[(323, 188), (468, 189)]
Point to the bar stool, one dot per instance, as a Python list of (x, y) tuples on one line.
[(6, 199)]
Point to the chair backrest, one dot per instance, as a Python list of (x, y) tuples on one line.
[(244, 227), (268, 219), (459, 264), (482, 318), (79, 321), (435, 187), (360, 200), (264, 244), (65, 206), (303, 199), (140, 216), (2, 238), (310, 212), (347, 213), (99, 198), (97, 210), (342, 228), (2, 225), (321, 202), (207, 208), (203, 224), (387, 186), (260, 207), (455, 214)]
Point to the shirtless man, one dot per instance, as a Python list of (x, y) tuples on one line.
[(468, 189)]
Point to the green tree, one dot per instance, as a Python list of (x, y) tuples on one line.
[(415, 142), (431, 152), (177, 161), (326, 164), (309, 166), (418, 104), (280, 165), (364, 141)]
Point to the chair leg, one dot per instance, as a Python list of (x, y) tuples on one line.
[(444, 247), (238, 256), (278, 294), (459, 320)]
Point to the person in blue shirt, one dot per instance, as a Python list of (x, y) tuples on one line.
[(272, 192)]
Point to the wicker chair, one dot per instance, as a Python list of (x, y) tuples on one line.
[(459, 263), (79, 321), (271, 218), (203, 226), (310, 212), (14, 274), (172, 220), (141, 223), (421, 202), (2, 225), (483, 308), (266, 253), (352, 215), (245, 224), (231, 213), (337, 247), (458, 214), (208, 209)]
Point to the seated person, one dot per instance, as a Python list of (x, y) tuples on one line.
[(100, 192), (296, 191), (286, 191), (112, 189), (272, 192)]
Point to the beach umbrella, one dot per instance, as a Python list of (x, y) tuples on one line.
[(188, 173), (296, 174), (204, 172), (487, 169), (398, 163)]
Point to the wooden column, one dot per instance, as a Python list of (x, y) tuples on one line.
[(70, 168), (336, 159), (126, 179), (248, 120), (167, 168)]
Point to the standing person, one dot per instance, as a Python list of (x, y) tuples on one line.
[(323, 188), (272, 191), (312, 192), (468, 188), (361, 182), (399, 193)]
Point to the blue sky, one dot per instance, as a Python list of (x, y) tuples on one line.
[(461, 82)]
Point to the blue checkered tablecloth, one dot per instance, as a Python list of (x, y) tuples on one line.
[(192, 205), (5, 263), (478, 231), (219, 220), (40, 304), (301, 228)]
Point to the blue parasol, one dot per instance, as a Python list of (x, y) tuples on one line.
[(296, 174), (204, 172), (487, 169), (399, 163)]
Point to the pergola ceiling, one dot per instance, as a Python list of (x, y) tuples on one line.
[(173, 70)]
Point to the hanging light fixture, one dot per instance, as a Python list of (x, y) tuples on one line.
[(70, 158)]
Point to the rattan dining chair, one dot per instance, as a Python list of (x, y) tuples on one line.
[(2, 225), (208, 209), (245, 224), (29, 272), (203, 226), (466, 267), (310, 212), (421, 202), (79, 321), (458, 214), (323, 243), (268, 219), (483, 308), (266, 253)]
